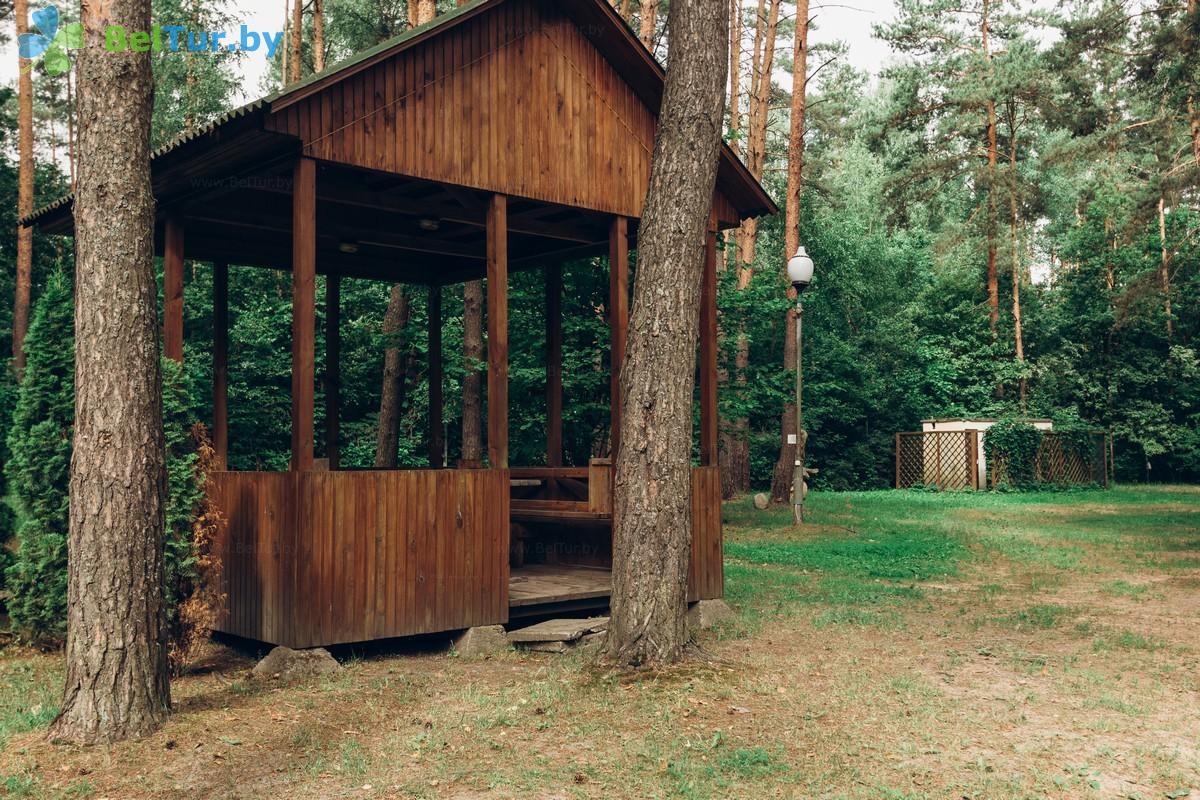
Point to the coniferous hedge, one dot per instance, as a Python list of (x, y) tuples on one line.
[(8, 397), (38, 468)]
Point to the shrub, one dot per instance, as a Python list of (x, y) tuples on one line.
[(8, 397), (38, 470), (1011, 447)]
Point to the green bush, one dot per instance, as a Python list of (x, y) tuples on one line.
[(38, 469), (8, 397), (1011, 447), (39, 474)]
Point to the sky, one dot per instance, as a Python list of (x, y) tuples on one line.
[(846, 20)]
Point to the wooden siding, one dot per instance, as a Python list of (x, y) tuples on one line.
[(706, 576), (316, 558), (516, 101)]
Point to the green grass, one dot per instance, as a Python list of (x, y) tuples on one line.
[(29, 697)]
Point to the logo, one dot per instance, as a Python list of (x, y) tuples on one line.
[(52, 43)]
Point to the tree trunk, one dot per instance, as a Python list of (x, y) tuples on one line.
[(652, 519), (285, 53), (781, 476), (649, 23), (1193, 9), (395, 370), (318, 35), (472, 401), (426, 11), (24, 196), (1015, 244), (297, 39), (993, 280), (626, 10), (735, 74), (760, 98), (116, 684), (1164, 272)]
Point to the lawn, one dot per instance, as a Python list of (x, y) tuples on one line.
[(900, 645)]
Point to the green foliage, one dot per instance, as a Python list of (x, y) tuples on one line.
[(185, 491), (38, 470), (1012, 446), (8, 398)]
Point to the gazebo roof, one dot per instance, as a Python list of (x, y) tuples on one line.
[(612, 86)]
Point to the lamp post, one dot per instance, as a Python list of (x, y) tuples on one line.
[(800, 273)]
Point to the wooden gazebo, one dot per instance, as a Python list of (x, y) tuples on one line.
[(507, 135)]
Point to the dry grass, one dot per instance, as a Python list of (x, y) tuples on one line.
[(1064, 669)]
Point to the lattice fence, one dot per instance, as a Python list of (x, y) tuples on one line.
[(941, 459), (1060, 460)]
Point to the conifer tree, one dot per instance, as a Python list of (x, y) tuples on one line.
[(40, 445)]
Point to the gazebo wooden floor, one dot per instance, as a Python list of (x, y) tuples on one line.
[(557, 584)]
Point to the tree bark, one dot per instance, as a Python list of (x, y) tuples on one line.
[(649, 23), (993, 280), (781, 476), (472, 401), (297, 39), (318, 35), (24, 196), (652, 524), (1164, 272), (426, 11), (285, 54), (756, 134), (395, 370), (1193, 9), (1015, 244), (117, 680)]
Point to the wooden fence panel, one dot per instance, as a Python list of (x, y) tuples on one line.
[(945, 459)]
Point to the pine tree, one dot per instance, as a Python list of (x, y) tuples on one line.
[(40, 444)]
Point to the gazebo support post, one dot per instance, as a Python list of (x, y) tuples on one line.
[(173, 290), (497, 329), (708, 354), (304, 256), (333, 367), (618, 321), (220, 432), (554, 441), (437, 446)]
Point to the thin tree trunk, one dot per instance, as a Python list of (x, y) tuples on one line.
[(1193, 9), (426, 11), (626, 10), (993, 279), (652, 520), (649, 23), (1164, 268), (318, 35), (24, 196), (297, 39), (734, 450), (472, 401), (756, 134), (285, 52), (117, 680), (395, 370), (1015, 244), (781, 476)]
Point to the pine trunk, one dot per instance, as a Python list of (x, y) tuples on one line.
[(297, 39), (395, 369), (652, 520), (1193, 8), (1015, 244), (318, 35), (649, 23), (781, 476), (116, 684), (1164, 272), (426, 11), (993, 279), (24, 196), (472, 401), (760, 98)]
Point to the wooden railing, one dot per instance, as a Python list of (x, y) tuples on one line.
[(319, 558)]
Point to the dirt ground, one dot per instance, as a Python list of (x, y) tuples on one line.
[(1056, 658)]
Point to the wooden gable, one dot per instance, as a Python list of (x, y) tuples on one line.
[(515, 99)]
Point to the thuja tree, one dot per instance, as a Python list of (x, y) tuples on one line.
[(37, 471), (8, 396)]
